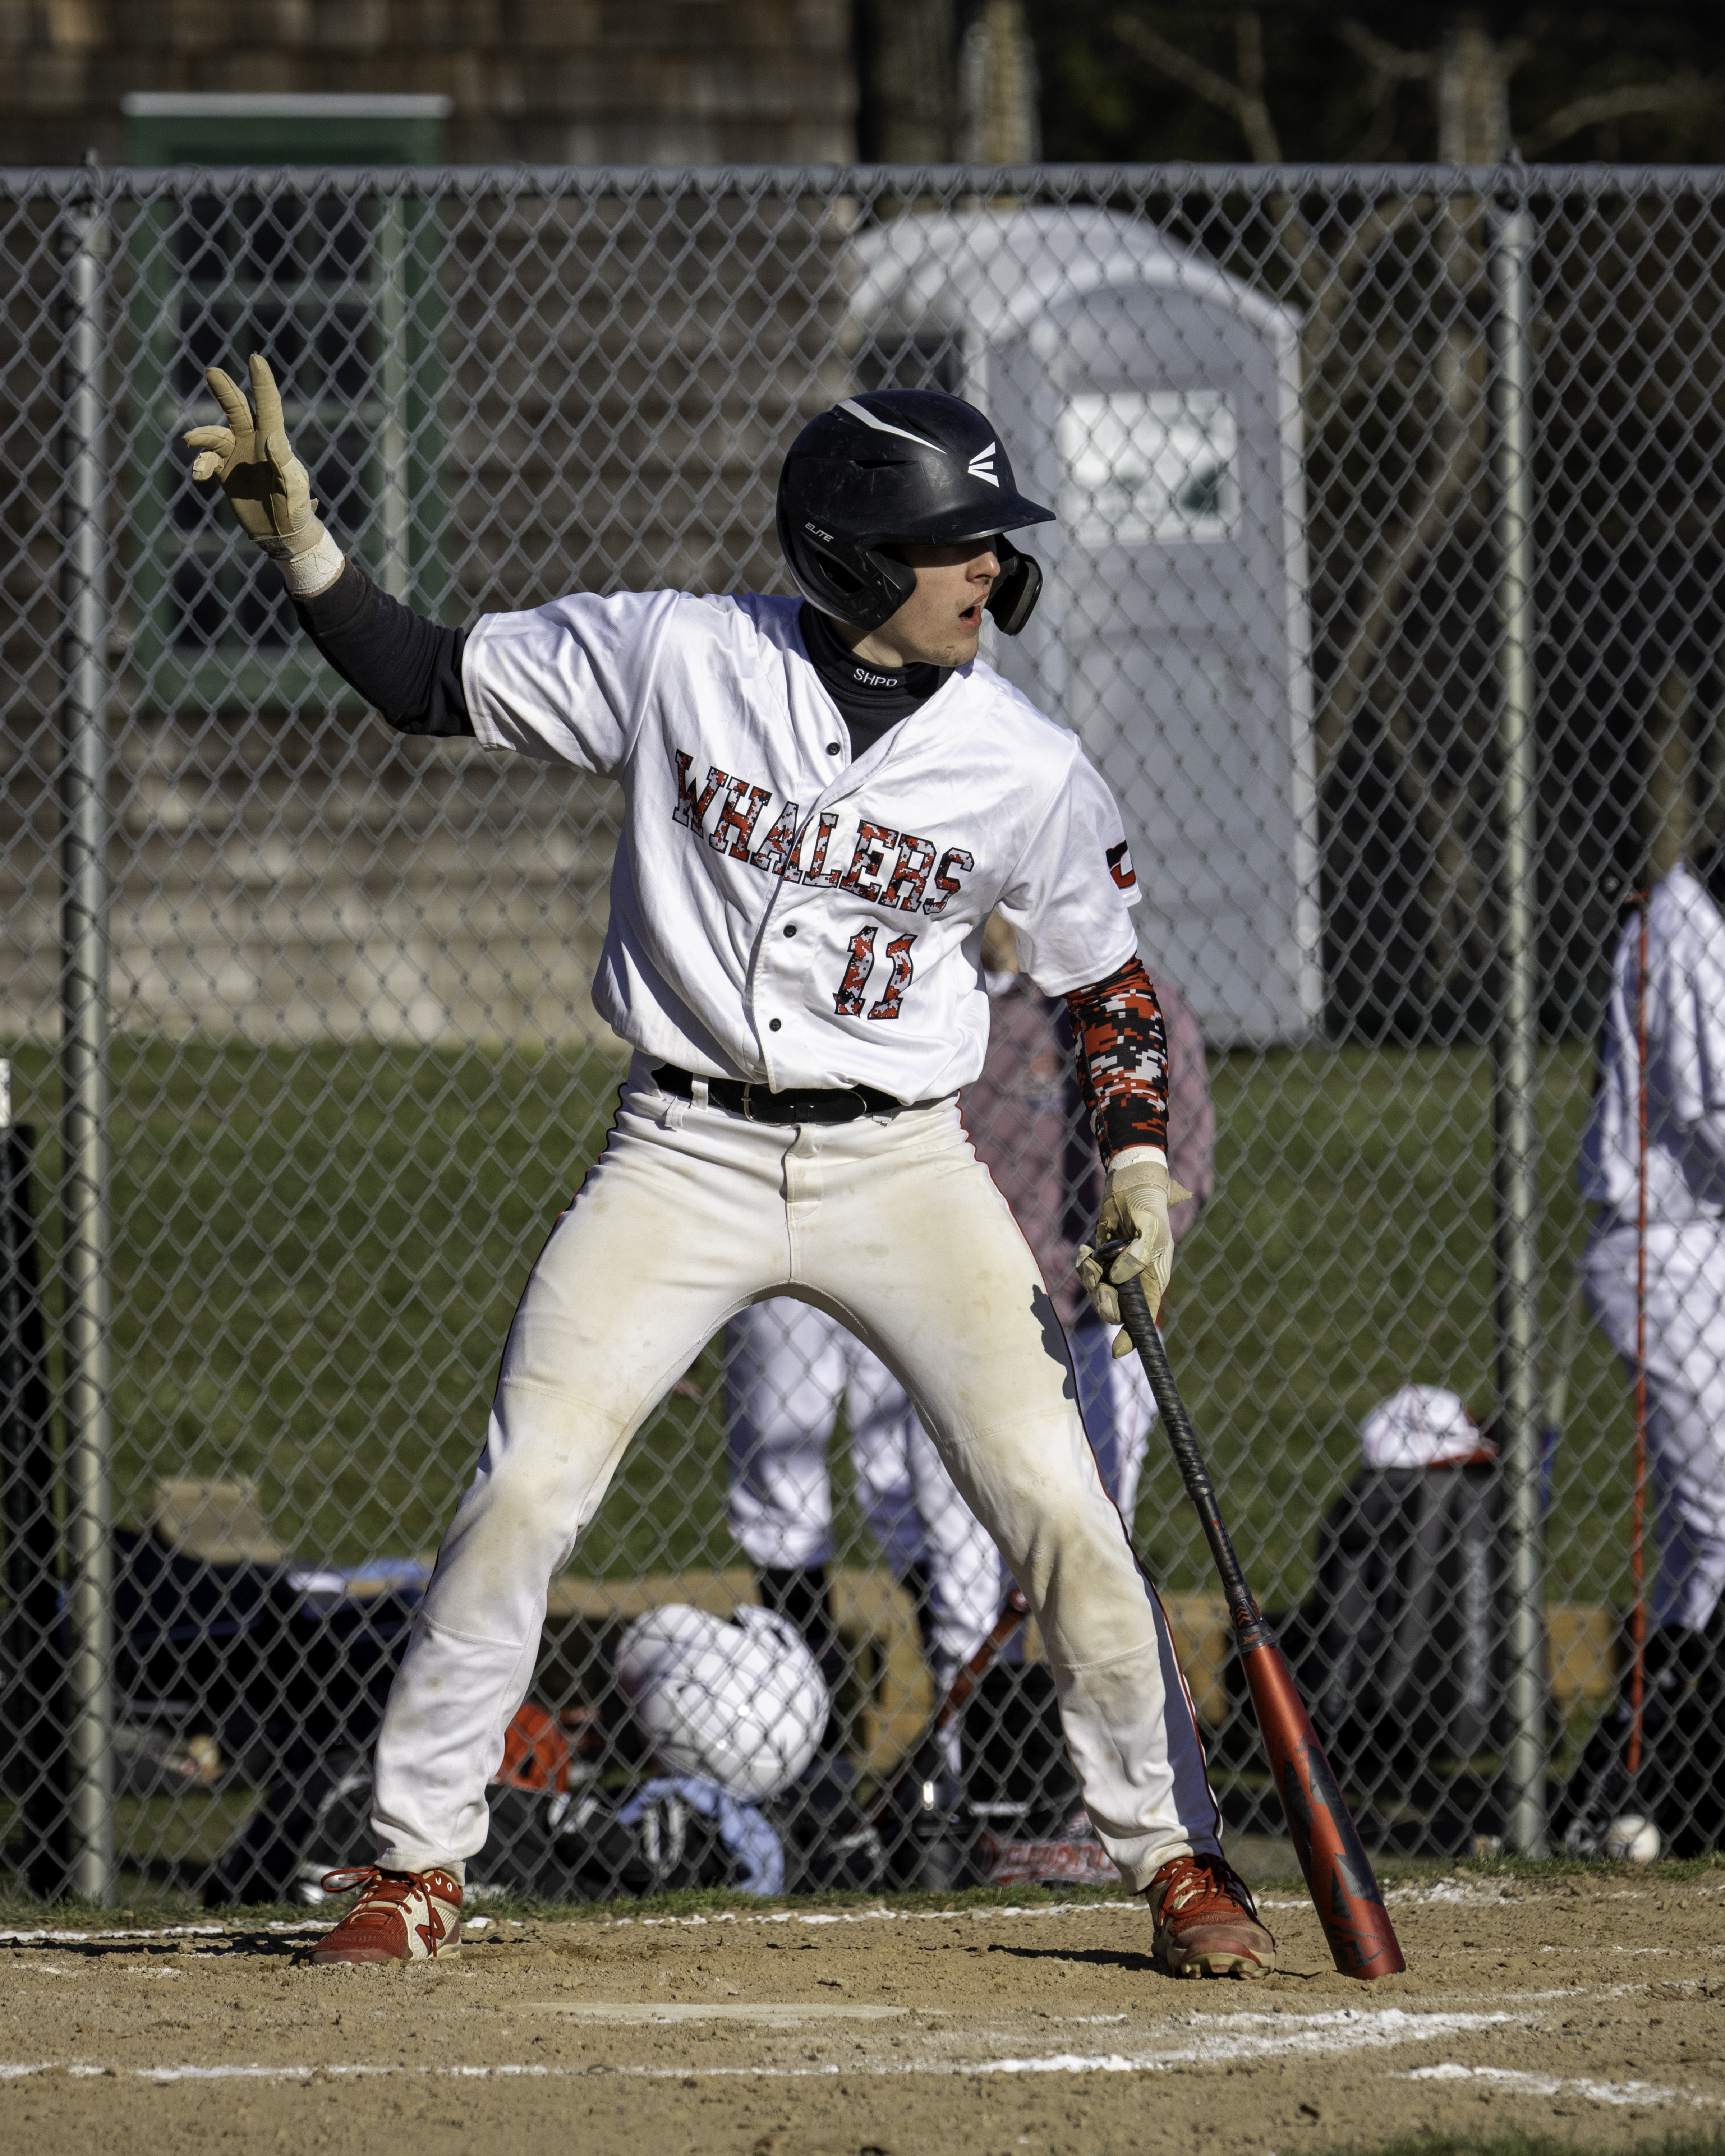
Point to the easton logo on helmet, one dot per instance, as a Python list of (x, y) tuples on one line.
[(982, 465)]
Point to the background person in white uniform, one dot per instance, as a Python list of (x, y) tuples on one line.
[(1686, 1299)]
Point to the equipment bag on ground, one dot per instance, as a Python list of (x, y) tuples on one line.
[(1400, 1649)]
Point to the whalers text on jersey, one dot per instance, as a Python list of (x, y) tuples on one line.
[(761, 905)]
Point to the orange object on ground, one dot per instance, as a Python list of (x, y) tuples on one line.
[(536, 1752)]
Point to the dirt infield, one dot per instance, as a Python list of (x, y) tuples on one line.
[(1588, 2007)]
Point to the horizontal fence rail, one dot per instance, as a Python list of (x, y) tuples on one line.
[(1385, 588)]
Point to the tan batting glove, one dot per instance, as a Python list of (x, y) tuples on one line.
[(1135, 1201), (268, 487)]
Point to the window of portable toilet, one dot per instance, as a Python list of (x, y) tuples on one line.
[(1153, 400)]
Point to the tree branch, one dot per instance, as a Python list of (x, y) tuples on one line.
[(1384, 58), (1387, 67), (1437, 806), (1623, 104), (1249, 52), (1243, 105), (1418, 536)]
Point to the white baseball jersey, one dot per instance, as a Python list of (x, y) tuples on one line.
[(1686, 1067), (780, 911)]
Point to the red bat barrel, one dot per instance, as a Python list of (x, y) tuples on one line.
[(1338, 1873)]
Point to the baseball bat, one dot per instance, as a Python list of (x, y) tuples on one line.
[(924, 1763), (1013, 1611), (1338, 1873)]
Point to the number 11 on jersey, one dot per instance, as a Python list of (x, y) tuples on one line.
[(860, 963)]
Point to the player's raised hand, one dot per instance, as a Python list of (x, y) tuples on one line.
[(1135, 1204), (268, 487)]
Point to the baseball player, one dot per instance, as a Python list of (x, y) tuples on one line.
[(788, 1364), (825, 797), (1686, 1245)]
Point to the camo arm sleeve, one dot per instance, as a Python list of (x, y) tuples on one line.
[(1122, 1059)]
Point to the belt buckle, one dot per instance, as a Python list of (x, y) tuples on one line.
[(748, 1113)]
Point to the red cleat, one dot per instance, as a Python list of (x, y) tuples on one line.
[(400, 1916), (1206, 1922)]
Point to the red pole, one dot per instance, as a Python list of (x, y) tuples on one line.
[(1638, 1501)]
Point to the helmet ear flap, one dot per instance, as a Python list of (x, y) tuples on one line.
[(1016, 588), (859, 581), (893, 582)]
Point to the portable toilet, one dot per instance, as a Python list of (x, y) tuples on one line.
[(1154, 401)]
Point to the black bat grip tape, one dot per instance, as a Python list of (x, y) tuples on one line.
[(1182, 1439)]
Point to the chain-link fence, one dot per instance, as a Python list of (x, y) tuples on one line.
[(1387, 592)]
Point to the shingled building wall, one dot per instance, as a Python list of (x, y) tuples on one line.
[(575, 82)]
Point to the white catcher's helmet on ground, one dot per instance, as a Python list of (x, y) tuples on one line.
[(737, 1701)]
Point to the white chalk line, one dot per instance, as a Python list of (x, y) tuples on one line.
[(1221, 2039), (57, 1938), (1445, 1890), (878, 1916), (882, 1915), (1227, 2039), (275, 1926), (1526, 2084), (780, 2014)]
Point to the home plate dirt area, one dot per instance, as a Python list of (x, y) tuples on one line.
[(1590, 2008)]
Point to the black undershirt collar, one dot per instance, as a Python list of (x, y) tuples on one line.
[(870, 699)]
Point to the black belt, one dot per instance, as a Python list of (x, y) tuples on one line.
[(755, 1104)]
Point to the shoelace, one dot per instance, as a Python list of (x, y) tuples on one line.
[(362, 1875), (395, 1890), (1208, 1879)]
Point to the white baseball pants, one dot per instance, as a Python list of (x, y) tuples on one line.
[(1686, 1396), (787, 1365), (892, 1226)]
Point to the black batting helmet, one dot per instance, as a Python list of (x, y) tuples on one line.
[(900, 467)]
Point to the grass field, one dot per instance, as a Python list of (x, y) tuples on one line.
[(317, 1249)]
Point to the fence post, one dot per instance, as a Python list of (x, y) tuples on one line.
[(1516, 1060), (83, 1058), (393, 513), (29, 1505)]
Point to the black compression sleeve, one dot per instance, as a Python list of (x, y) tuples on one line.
[(408, 667)]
